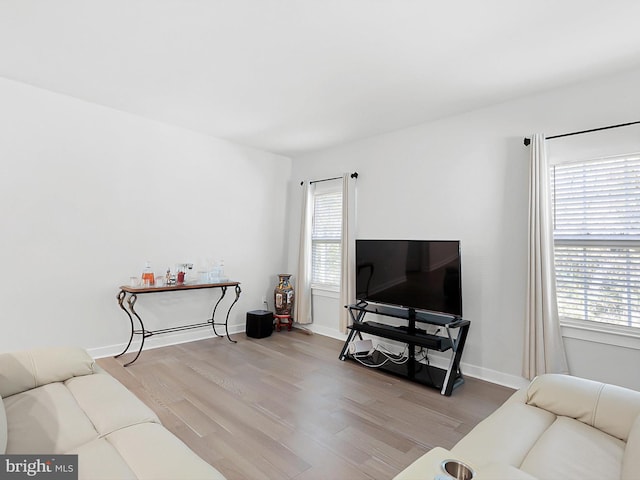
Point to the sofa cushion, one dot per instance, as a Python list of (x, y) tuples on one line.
[(572, 449), (505, 436), (151, 451), (3, 428), (97, 394), (46, 419), (21, 371), (609, 408), (99, 460)]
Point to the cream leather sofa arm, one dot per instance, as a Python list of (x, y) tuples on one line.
[(426, 467), (429, 466), (24, 370)]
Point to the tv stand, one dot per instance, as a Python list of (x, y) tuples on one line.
[(414, 336)]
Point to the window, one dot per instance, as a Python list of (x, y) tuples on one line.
[(326, 237), (596, 209)]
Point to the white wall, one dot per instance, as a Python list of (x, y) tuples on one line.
[(88, 194), (465, 177)]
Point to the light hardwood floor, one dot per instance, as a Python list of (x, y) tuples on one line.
[(285, 407)]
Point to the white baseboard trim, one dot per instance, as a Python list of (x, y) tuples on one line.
[(327, 332), (160, 341), (482, 373)]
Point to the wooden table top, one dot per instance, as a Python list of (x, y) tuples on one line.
[(171, 288)]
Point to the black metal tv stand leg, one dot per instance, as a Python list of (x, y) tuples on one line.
[(352, 333), (454, 372), (345, 347)]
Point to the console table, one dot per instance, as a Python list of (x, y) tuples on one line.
[(443, 379), (133, 293)]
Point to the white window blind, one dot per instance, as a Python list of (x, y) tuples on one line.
[(325, 239), (597, 239)]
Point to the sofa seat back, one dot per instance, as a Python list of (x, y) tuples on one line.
[(608, 408), (60, 416), (22, 371), (561, 427)]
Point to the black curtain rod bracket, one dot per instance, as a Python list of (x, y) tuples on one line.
[(353, 175), (527, 141)]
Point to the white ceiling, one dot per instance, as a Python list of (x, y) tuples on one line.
[(290, 76)]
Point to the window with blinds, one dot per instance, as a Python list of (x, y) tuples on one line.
[(596, 209), (325, 240)]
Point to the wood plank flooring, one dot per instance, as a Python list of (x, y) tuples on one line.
[(285, 407)]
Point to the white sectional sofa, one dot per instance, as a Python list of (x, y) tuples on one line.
[(57, 401), (559, 427)]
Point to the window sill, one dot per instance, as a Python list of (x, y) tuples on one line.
[(626, 337)]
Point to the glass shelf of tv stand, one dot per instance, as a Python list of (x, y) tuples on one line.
[(444, 380), (424, 316)]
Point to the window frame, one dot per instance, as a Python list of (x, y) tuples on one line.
[(324, 188), (627, 336)]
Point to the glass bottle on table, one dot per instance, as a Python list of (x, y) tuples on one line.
[(148, 278)]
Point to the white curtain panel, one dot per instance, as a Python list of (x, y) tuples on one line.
[(304, 313), (544, 349), (348, 260)]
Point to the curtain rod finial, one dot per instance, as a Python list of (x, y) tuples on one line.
[(527, 142)]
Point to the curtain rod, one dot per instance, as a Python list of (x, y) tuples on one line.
[(353, 175), (527, 141)]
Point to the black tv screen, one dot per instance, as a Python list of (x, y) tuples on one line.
[(419, 274)]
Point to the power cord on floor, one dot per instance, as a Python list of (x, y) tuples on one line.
[(394, 357), (388, 356)]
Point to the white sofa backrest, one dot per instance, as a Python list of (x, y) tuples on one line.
[(631, 458), (3, 428), (608, 408), (21, 371)]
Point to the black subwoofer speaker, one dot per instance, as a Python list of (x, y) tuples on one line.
[(259, 323)]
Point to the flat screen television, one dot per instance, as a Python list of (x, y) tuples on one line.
[(418, 274)]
